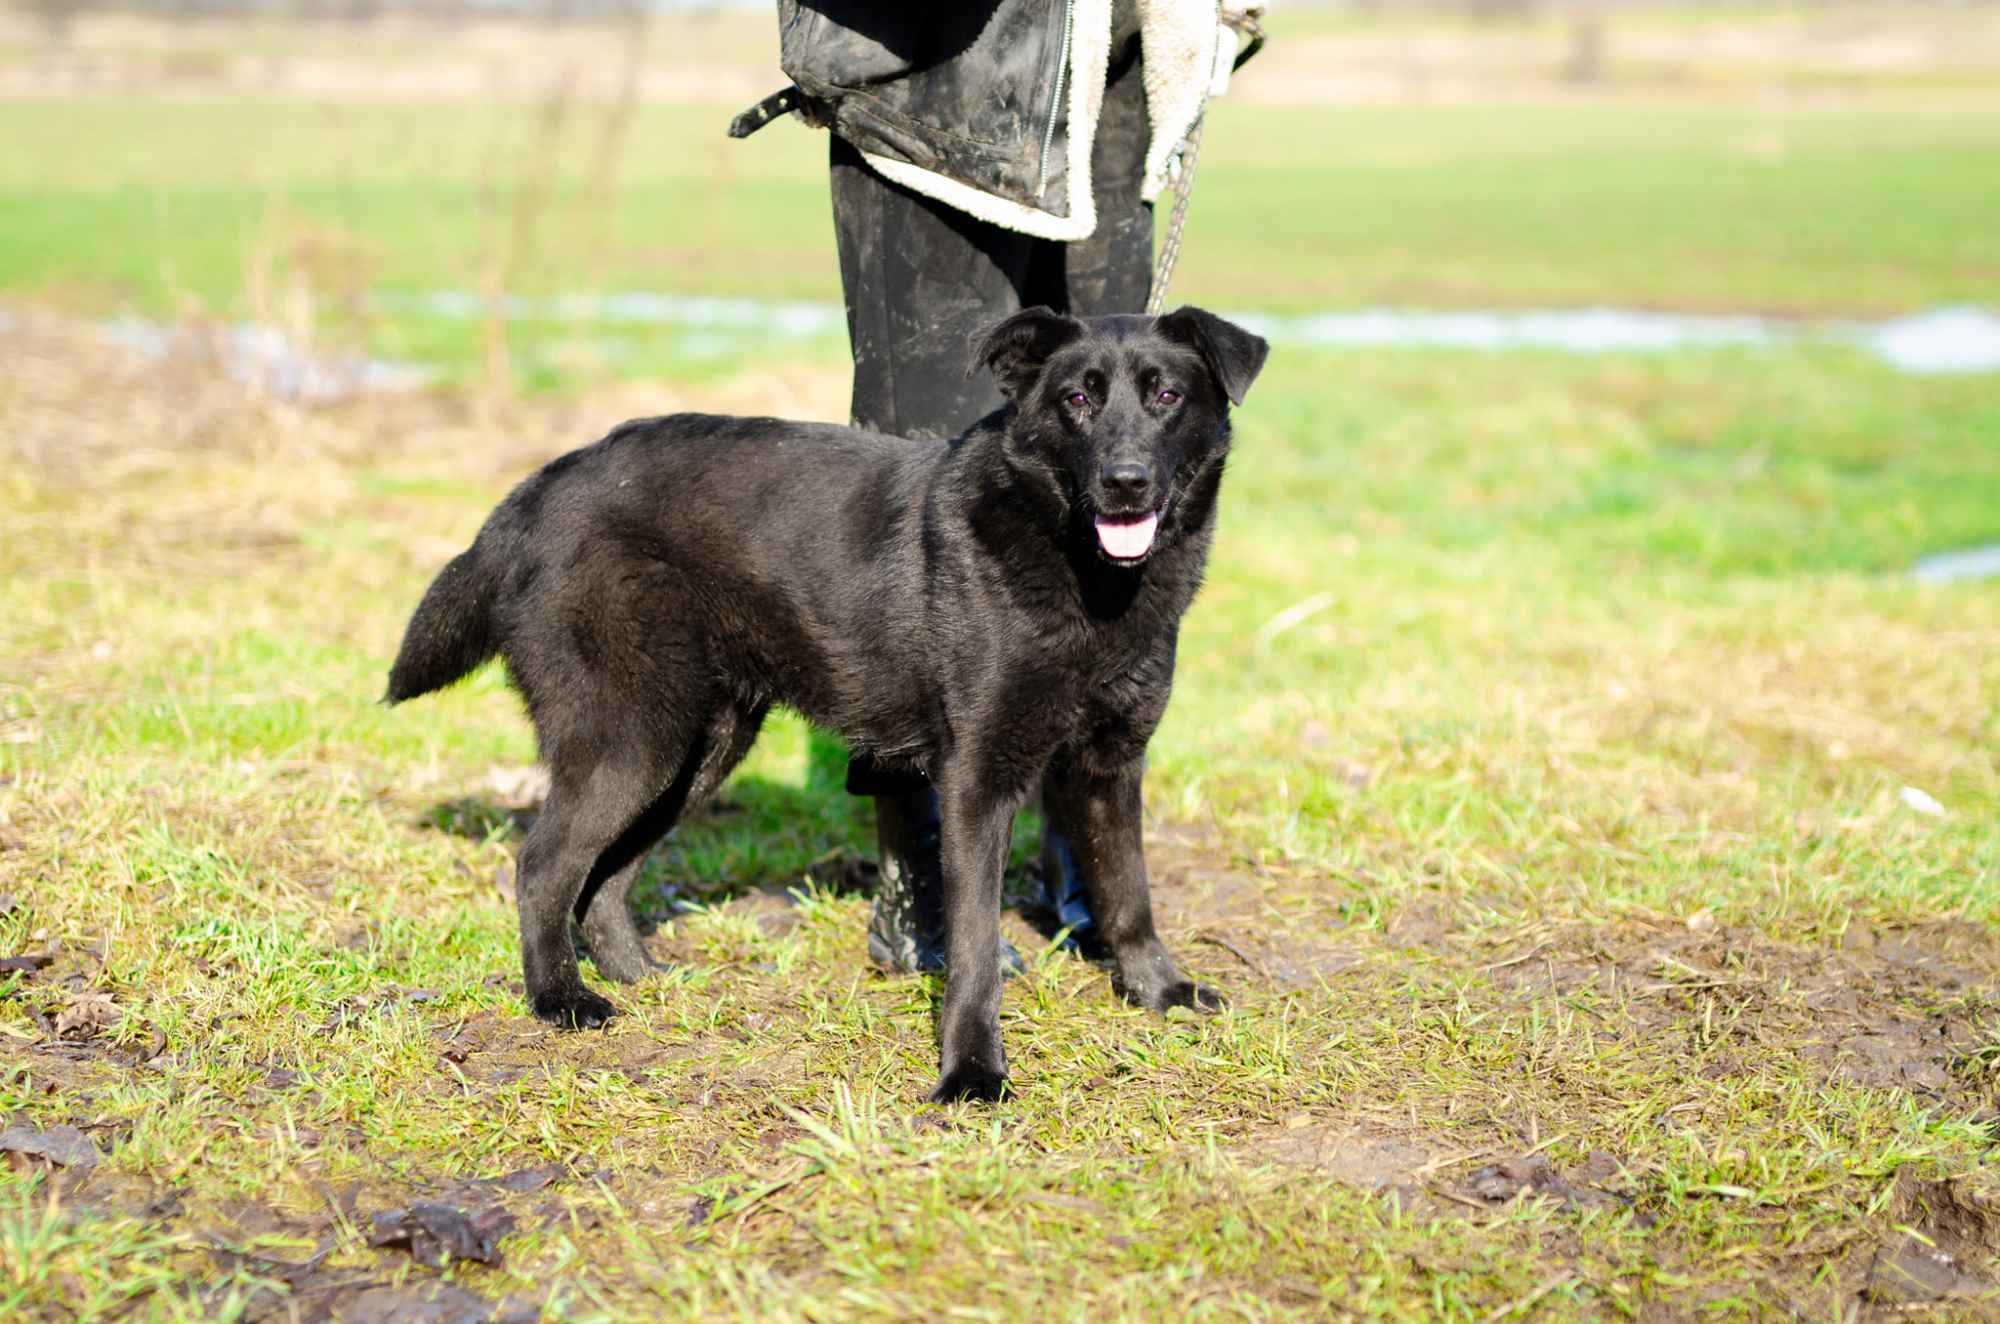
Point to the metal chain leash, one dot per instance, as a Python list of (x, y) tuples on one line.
[(1245, 23), (1170, 249)]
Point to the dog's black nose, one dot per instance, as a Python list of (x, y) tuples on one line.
[(1127, 478)]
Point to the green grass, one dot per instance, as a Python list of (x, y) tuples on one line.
[(112, 204), (1531, 783), (1534, 782)]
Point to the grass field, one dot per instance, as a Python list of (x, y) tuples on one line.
[(1595, 828), (1475, 181), (1816, 211)]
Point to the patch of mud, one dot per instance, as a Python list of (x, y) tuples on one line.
[(1373, 1163), (311, 1289), (1890, 1054), (1421, 923), (319, 1281), (1944, 1252), (58, 1146), (1241, 923), (1444, 1179), (1532, 1176), (1907, 1009)]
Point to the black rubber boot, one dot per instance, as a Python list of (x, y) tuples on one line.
[(906, 929)]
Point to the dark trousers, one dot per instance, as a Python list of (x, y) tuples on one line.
[(921, 277)]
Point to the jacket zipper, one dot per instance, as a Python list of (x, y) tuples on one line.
[(1055, 98)]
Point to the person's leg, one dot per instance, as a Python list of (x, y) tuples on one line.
[(920, 278)]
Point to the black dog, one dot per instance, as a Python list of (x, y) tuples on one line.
[(983, 612)]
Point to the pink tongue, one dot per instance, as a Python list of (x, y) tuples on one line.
[(1126, 539)]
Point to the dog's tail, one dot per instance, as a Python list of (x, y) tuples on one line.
[(451, 633)]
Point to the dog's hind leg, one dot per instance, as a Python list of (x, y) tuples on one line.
[(1099, 812), (605, 911), (584, 815), (612, 792), (616, 947)]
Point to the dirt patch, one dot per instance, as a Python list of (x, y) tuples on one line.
[(1944, 1254), (1242, 922), (1532, 1176), (1908, 1010), (1371, 1162), (58, 1146), (1441, 1178), (312, 1290), (1960, 1216)]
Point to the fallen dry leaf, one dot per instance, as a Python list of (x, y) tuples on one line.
[(62, 1145), (433, 1233), (88, 1013)]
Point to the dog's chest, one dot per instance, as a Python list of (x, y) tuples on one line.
[(1059, 693)]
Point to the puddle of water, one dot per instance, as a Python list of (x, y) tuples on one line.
[(267, 360), (1943, 340), (1964, 566), (718, 326), (1576, 331)]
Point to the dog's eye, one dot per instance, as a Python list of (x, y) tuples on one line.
[(1170, 397), (1077, 398)]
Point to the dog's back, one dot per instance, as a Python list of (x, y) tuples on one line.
[(738, 531)]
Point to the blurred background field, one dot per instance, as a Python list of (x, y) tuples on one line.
[(1825, 159), (1579, 756)]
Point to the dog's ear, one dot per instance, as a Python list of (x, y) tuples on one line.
[(1014, 350), (1234, 356)]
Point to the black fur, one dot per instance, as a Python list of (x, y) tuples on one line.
[(949, 608)]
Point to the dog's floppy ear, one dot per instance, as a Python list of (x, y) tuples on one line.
[(1234, 356), (1014, 350)]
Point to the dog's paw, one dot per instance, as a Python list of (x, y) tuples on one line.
[(971, 1084), (1187, 993), (572, 1009)]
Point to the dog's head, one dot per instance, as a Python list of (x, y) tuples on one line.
[(1121, 416)]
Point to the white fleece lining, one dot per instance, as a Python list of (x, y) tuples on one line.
[(1178, 39), (1089, 58), (1178, 42)]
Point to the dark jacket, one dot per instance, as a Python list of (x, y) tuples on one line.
[(975, 93), (989, 105)]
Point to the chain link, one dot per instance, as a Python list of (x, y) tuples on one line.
[(1170, 249)]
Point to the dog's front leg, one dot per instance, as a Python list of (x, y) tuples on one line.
[(975, 825), (1099, 811)]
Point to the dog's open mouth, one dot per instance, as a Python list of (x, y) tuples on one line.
[(1127, 537)]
